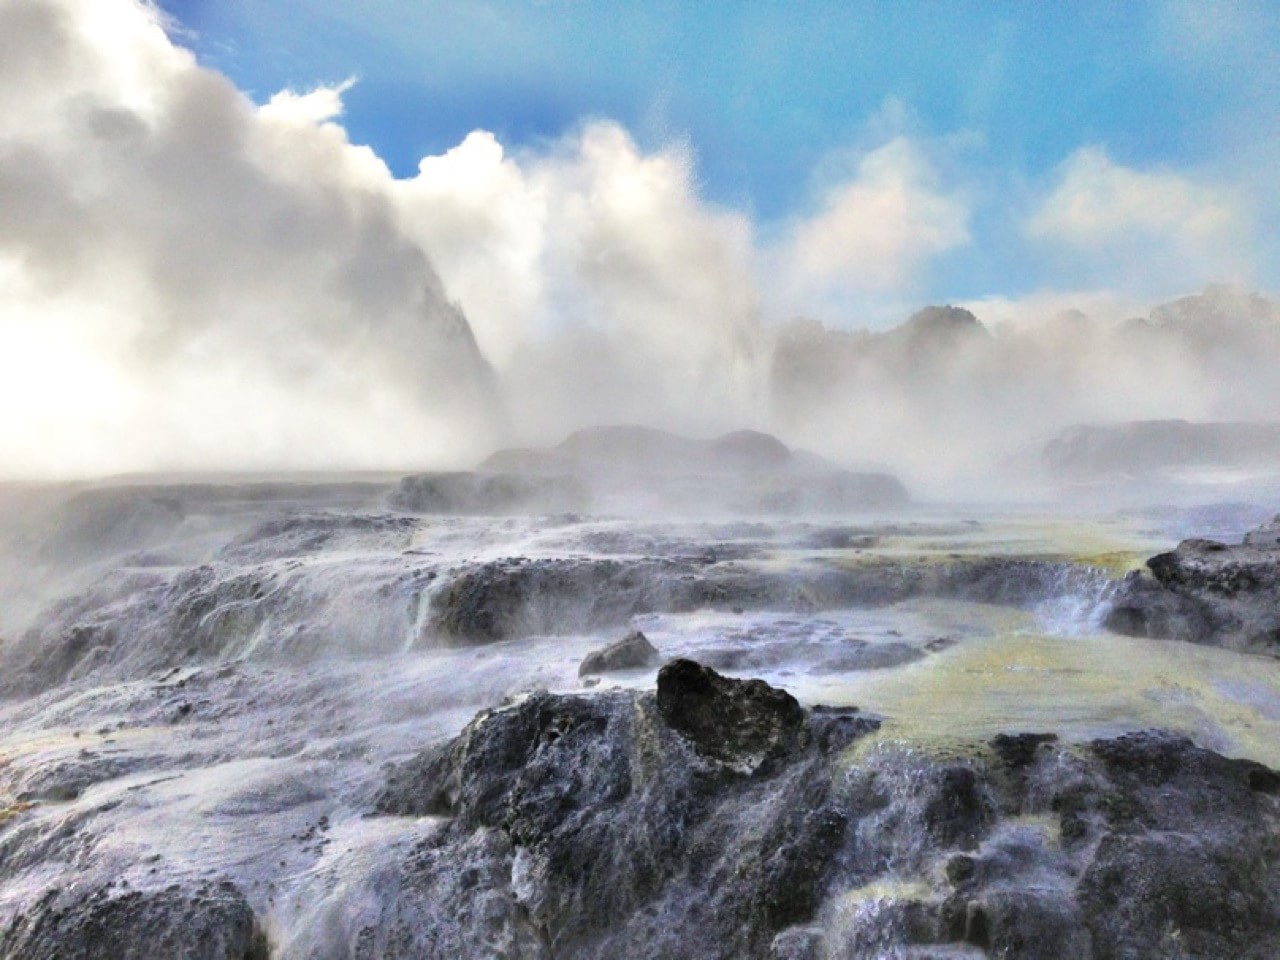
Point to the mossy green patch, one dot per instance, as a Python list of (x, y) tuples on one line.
[(12, 811), (1011, 678)]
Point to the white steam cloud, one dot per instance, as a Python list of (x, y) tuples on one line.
[(190, 280)]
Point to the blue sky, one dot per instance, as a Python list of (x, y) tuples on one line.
[(766, 94)]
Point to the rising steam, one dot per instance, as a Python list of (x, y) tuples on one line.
[(191, 281)]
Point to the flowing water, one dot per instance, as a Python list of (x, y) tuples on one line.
[(313, 666)]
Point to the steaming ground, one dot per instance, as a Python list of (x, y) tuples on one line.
[(206, 683)]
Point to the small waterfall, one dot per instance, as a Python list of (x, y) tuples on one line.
[(1081, 606)]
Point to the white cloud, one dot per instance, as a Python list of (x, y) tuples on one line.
[(1151, 226), (875, 232), (313, 106)]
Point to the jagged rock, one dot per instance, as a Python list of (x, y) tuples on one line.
[(1207, 592), (618, 824), (632, 652), (1188, 867), (210, 922), (744, 722), (1017, 750), (627, 827), (516, 597)]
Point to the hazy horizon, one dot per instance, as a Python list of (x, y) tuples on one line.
[(199, 275)]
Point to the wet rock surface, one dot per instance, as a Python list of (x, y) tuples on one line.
[(220, 732), (743, 722), (501, 599), (624, 824), (632, 652), (618, 829), (1209, 592), (353, 586), (212, 921)]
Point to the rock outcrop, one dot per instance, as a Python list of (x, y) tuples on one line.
[(502, 599), (211, 921), (744, 472), (719, 819), (1208, 592), (632, 652), (1145, 448)]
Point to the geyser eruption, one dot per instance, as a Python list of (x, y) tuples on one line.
[(192, 281)]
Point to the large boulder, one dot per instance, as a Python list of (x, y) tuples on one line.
[(1208, 592), (743, 722), (210, 921), (632, 652), (617, 829)]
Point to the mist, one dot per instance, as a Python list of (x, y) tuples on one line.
[(192, 281)]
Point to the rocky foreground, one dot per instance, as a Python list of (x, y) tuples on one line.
[(239, 740), (717, 818), (1209, 592)]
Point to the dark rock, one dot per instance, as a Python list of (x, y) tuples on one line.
[(210, 922), (1159, 895), (516, 597), (420, 787), (513, 597), (620, 825), (489, 493), (742, 722), (632, 652), (1019, 749), (841, 538), (628, 835), (1207, 592), (1029, 925), (956, 813)]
